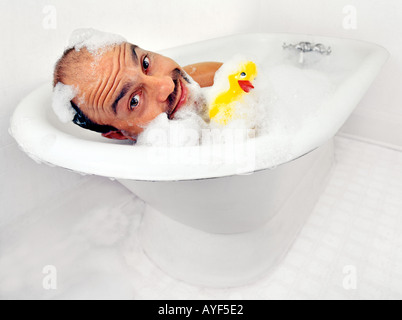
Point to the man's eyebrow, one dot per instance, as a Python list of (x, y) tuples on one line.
[(122, 93), (134, 53)]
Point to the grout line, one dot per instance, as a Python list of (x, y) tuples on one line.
[(370, 141)]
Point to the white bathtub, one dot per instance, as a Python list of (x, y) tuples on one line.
[(208, 223)]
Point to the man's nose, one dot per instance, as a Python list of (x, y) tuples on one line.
[(163, 87)]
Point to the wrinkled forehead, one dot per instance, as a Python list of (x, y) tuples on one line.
[(101, 65), (101, 72), (112, 55)]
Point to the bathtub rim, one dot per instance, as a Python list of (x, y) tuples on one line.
[(42, 158), (296, 34)]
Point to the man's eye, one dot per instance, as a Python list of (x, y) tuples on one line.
[(135, 101), (145, 63)]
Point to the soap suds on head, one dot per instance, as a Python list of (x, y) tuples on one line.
[(96, 42), (61, 102), (93, 40)]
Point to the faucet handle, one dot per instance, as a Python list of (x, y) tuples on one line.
[(320, 48), (305, 46)]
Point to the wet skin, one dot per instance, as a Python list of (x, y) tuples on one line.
[(127, 87)]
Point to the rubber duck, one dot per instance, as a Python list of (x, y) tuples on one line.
[(222, 107)]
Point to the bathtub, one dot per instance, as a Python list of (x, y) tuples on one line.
[(207, 223)]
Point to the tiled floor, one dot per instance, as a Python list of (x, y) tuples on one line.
[(350, 248)]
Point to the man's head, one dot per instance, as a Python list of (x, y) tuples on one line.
[(121, 89)]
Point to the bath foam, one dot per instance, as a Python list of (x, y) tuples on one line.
[(93, 40), (61, 98), (284, 116), (185, 129), (162, 132)]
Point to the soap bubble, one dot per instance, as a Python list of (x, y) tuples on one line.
[(93, 40), (61, 102), (286, 107)]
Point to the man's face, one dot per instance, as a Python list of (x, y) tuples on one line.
[(129, 87)]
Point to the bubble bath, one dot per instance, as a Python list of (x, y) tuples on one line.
[(287, 107), (62, 95), (95, 41)]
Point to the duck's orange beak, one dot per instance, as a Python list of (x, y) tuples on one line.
[(245, 85)]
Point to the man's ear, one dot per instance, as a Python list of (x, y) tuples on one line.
[(117, 135)]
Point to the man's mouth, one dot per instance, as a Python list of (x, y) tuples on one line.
[(182, 93)]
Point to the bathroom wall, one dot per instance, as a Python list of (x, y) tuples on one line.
[(34, 34), (379, 115)]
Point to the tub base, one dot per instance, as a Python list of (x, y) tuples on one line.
[(232, 259)]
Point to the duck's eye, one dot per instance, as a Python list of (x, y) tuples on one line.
[(135, 101), (243, 74), (145, 63)]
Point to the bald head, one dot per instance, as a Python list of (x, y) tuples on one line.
[(72, 66), (72, 69)]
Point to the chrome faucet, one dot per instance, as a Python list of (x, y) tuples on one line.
[(308, 47), (304, 47)]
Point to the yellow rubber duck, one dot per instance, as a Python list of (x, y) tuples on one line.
[(221, 109)]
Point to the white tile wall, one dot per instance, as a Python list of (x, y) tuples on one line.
[(379, 114)]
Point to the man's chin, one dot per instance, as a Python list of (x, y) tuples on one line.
[(195, 100), (196, 104)]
